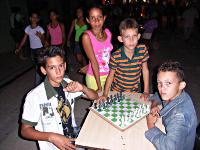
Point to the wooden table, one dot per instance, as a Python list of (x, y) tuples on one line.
[(98, 133)]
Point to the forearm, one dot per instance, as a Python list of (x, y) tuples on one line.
[(22, 43), (95, 69), (146, 80), (32, 134), (109, 81), (90, 94)]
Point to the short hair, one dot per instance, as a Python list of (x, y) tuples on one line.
[(128, 23), (49, 52), (173, 66)]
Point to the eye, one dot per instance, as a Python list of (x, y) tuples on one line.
[(51, 67), (126, 36), (61, 66), (92, 18), (100, 17), (167, 84)]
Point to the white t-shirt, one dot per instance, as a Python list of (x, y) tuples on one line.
[(35, 41), (40, 112)]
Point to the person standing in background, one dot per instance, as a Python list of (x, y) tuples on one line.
[(97, 45), (55, 30), (79, 25)]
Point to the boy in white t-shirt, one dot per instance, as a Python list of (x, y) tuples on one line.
[(48, 114), (36, 40)]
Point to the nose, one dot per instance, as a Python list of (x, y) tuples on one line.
[(58, 70)]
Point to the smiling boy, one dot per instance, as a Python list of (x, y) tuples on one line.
[(48, 114), (178, 113)]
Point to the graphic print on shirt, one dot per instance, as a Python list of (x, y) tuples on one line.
[(103, 59), (47, 110)]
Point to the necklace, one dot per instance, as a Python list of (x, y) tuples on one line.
[(99, 36)]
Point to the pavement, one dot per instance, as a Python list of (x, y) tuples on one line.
[(17, 78), (12, 66)]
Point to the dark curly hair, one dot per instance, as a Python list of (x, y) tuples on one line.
[(173, 66)]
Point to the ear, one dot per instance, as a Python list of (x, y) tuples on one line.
[(120, 39), (43, 70), (65, 65), (104, 18), (87, 20), (139, 35), (182, 85)]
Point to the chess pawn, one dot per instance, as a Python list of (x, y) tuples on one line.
[(122, 121), (118, 122)]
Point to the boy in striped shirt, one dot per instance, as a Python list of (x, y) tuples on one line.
[(128, 63)]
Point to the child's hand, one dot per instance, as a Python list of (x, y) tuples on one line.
[(155, 111), (46, 44), (99, 90), (144, 96), (39, 34), (101, 99), (74, 86), (61, 141), (151, 120), (17, 51)]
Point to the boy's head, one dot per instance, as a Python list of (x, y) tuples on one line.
[(52, 62), (129, 35), (170, 80)]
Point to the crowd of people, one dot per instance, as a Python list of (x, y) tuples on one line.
[(48, 114)]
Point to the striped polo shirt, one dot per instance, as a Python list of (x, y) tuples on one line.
[(127, 71)]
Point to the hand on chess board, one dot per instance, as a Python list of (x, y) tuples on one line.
[(144, 96), (101, 99)]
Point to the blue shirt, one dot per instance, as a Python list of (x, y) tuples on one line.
[(180, 121)]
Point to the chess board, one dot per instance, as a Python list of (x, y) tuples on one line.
[(122, 110)]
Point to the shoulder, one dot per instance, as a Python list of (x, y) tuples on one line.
[(141, 48), (86, 35), (37, 92), (27, 29), (117, 53), (108, 31), (39, 27)]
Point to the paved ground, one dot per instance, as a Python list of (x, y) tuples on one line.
[(21, 76)]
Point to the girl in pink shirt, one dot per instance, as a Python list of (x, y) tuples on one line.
[(56, 30), (97, 45)]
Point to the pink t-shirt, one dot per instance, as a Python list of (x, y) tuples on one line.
[(55, 34), (102, 52)]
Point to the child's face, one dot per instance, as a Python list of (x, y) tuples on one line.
[(130, 38), (53, 16), (34, 19), (55, 70), (169, 85), (79, 13), (96, 18)]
